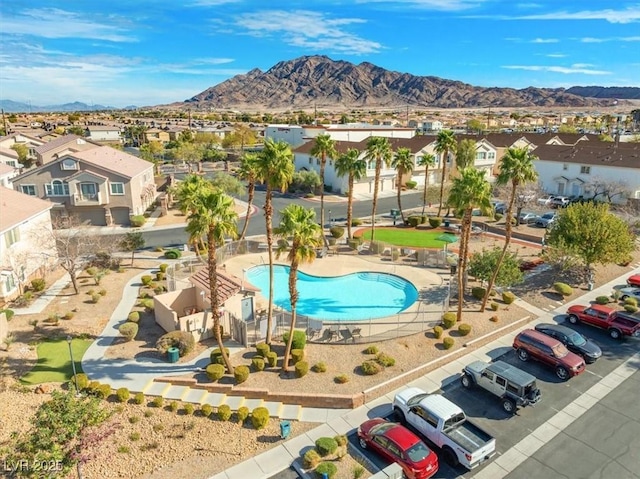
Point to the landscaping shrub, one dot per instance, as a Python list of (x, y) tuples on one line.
[(356, 222), (158, 401), (172, 254), (395, 255), (258, 363), (373, 349), (260, 417), (508, 297), (497, 216), (297, 355), (146, 279), (214, 371), (206, 410), (376, 247), (81, 381), (411, 184), (137, 221), (326, 446), (133, 317), (91, 271), (241, 374), (616, 295), (128, 330), (123, 394), (464, 329), (311, 459), (602, 300), (95, 297), (163, 267), (327, 468), (216, 355), (449, 319), (478, 292), (242, 414), (173, 406), (272, 359), (631, 301), (102, 292), (336, 231), (176, 339), (103, 391), (301, 368), (299, 339), (448, 342), (319, 368), (370, 367), (434, 222), (341, 440), (413, 221), (224, 412), (630, 308), (563, 289), (8, 313), (160, 276), (147, 304), (263, 349), (494, 306), (343, 378), (385, 360), (353, 244), (134, 419), (159, 289), (148, 413), (494, 319), (438, 331), (134, 436), (68, 315), (188, 409), (38, 284), (138, 398)]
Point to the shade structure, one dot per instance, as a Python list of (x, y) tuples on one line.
[(447, 238)]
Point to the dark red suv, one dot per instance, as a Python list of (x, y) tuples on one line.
[(533, 344)]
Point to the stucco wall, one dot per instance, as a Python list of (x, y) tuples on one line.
[(4, 327)]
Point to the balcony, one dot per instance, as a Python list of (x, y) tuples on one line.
[(87, 200)]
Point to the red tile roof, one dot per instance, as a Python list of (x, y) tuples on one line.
[(228, 284)]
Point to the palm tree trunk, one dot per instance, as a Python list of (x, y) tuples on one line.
[(350, 207), (293, 294), (399, 181), (462, 262), (375, 198), (215, 302), (444, 176), (252, 191), (424, 192), (268, 214), (323, 163)]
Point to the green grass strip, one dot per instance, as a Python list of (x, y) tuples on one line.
[(407, 237), (54, 361)]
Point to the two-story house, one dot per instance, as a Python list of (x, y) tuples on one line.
[(156, 134), (104, 134), (9, 156), (7, 173), (102, 186), (54, 149), (26, 249)]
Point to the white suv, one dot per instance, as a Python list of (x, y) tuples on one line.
[(560, 202)]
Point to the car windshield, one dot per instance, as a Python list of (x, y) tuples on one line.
[(416, 399), (577, 339), (560, 351), (418, 452), (548, 216), (381, 428)]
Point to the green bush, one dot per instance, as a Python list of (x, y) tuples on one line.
[(326, 446), (157, 401), (263, 349), (216, 355), (411, 184), (464, 329), (242, 414), (146, 279), (356, 222), (173, 406), (630, 308), (311, 459), (182, 340), (206, 410), (134, 436), (147, 304), (438, 332), (301, 368), (163, 267), (272, 359), (336, 231), (297, 355), (434, 222), (328, 468), (563, 289), (214, 371), (260, 417), (138, 398), (134, 317), (81, 381), (448, 342), (385, 360), (128, 330), (91, 271), (95, 297), (343, 378), (103, 391), (241, 374), (508, 297), (341, 440), (123, 394), (449, 319), (478, 292), (413, 221), (8, 313), (497, 216), (353, 244), (299, 339), (224, 412), (173, 254), (376, 247), (137, 221), (602, 300), (629, 301), (319, 367), (258, 363), (373, 349), (494, 306), (370, 367), (188, 409), (160, 276), (38, 284)]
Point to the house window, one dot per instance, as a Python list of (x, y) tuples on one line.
[(585, 170), (310, 161), (117, 188), (317, 161), (481, 155), (9, 283), (57, 188), (88, 191), (12, 163), (69, 164), (565, 167), (491, 155), (12, 236), (29, 190)]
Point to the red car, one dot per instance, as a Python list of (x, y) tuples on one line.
[(634, 280), (535, 345), (397, 444), (617, 323)]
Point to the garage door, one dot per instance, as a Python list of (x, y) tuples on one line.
[(120, 216), (94, 217)]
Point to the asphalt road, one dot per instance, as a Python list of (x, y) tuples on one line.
[(603, 443)]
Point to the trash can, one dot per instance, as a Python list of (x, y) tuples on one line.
[(173, 354), (285, 429), (395, 212), (446, 223), (454, 269)]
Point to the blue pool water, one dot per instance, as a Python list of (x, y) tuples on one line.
[(355, 296)]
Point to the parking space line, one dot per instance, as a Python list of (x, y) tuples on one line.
[(593, 374)]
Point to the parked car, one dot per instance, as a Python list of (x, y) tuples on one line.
[(398, 444), (573, 340), (545, 200), (532, 344), (634, 280), (446, 426), (559, 202), (630, 292), (527, 217), (617, 323), (546, 219), (513, 386), (499, 206)]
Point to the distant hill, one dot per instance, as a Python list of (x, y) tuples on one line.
[(616, 92), (311, 81), (10, 106)]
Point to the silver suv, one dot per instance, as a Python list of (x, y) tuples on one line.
[(560, 202)]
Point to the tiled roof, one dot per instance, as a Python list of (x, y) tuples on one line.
[(114, 160), (9, 152), (17, 208), (4, 169), (341, 146), (58, 142), (228, 284), (622, 155), (415, 144)]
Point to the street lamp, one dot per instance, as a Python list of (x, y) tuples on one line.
[(330, 221), (73, 366)]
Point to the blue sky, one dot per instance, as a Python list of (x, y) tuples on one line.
[(148, 52)]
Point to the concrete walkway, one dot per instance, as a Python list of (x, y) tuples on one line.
[(40, 303)]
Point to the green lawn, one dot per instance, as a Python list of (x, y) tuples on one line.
[(407, 237), (54, 362)]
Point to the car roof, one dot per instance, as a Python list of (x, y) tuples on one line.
[(538, 336), (557, 327), (511, 373), (601, 308), (440, 406), (402, 436)]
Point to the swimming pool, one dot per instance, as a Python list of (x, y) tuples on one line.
[(355, 296)]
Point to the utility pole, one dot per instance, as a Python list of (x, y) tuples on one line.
[(407, 123), (4, 122)]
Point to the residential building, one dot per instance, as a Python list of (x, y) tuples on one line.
[(104, 134), (54, 149), (431, 126), (26, 247), (155, 134), (7, 173), (102, 186), (9, 155), (295, 135)]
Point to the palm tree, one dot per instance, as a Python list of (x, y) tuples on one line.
[(426, 160), (213, 216), (188, 193), (378, 150), (275, 168), (403, 163), (469, 190), (517, 168), (465, 154), (301, 235), (349, 164), (248, 172), (324, 147), (445, 144)]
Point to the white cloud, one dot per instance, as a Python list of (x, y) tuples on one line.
[(212, 3), (446, 5), (628, 15), (609, 39), (545, 40), (309, 30), (577, 68), (556, 55)]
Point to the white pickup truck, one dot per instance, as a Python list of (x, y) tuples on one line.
[(445, 425)]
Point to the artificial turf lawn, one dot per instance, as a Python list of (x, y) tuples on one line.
[(54, 362), (407, 237)]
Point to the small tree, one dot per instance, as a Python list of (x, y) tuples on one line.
[(131, 242), (483, 264)]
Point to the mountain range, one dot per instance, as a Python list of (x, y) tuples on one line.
[(10, 106)]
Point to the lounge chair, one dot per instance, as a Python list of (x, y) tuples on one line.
[(312, 333), (346, 334), (334, 333), (356, 333)]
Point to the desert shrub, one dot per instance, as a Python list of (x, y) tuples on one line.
[(146, 279), (172, 254), (464, 329), (123, 394), (494, 306), (438, 331), (319, 367), (103, 391), (214, 371), (297, 355), (260, 418), (385, 360), (353, 244), (341, 378), (224, 412), (630, 308), (8, 313), (81, 381), (373, 349), (91, 271), (272, 359), (173, 406), (494, 318), (370, 367), (435, 222), (341, 440), (411, 184), (147, 304), (478, 292), (163, 267), (241, 374), (242, 414), (216, 355), (134, 419), (448, 342), (160, 276), (38, 284), (336, 231), (68, 315), (311, 459), (449, 319), (631, 301), (95, 297), (563, 289), (158, 427), (299, 339), (133, 317), (326, 446), (134, 436), (258, 363), (138, 398), (182, 340), (327, 468), (206, 410), (128, 330), (508, 297), (158, 401), (124, 449), (497, 216), (602, 300), (263, 349), (413, 221), (159, 289), (137, 221), (188, 409), (301, 368), (376, 247), (148, 413)]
